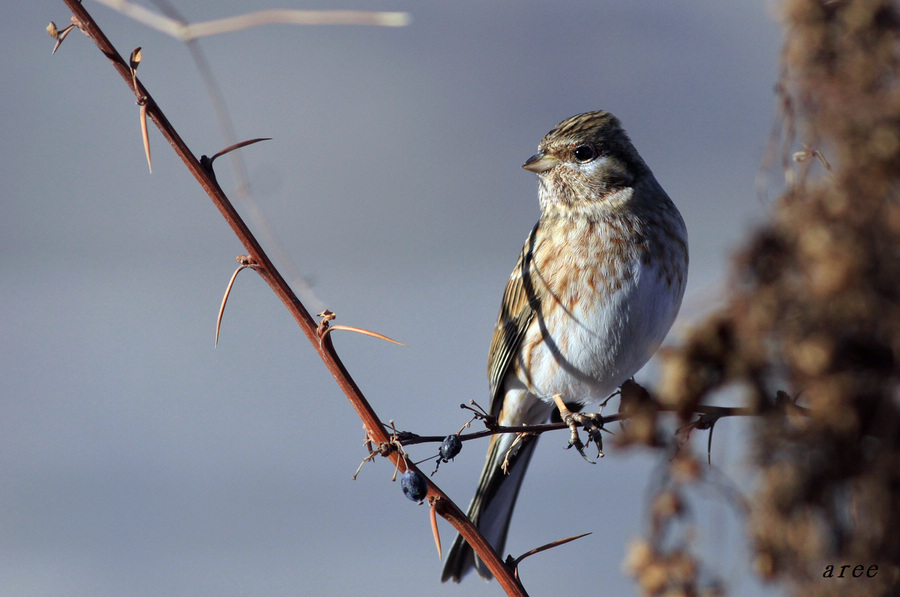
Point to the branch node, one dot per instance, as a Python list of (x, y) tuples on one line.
[(322, 328)]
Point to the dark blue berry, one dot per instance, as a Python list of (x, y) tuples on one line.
[(414, 485), (450, 447)]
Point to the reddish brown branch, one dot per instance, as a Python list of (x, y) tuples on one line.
[(322, 343)]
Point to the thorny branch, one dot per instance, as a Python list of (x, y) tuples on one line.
[(322, 343)]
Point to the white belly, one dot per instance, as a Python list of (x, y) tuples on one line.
[(606, 337)]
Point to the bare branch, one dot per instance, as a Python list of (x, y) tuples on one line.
[(188, 31)]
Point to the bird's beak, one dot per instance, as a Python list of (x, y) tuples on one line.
[(540, 162)]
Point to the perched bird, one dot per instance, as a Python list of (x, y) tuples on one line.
[(596, 289)]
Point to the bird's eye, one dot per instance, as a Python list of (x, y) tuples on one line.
[(584, 153)]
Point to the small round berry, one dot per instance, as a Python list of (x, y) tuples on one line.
[(414, 485), (450, 447)]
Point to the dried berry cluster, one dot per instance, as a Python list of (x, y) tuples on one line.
[(815, 311)]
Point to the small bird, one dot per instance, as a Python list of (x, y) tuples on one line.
[(596, 288)]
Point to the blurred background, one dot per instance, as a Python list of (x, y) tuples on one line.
[(137, 459)]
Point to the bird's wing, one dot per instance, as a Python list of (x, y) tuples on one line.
[(516, 313)]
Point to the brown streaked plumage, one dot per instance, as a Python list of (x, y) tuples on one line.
[(594, 292)]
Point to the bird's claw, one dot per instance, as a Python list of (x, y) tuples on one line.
[(575, 442), (592, 424)]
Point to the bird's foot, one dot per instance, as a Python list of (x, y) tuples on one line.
[(591, 423)]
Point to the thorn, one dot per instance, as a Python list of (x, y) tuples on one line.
[(245, 262), (324, 328), (207, 162), (58, 35), (365, 332), (133, 62), (145, 135), (434, 526), (514, 562), (231, 148)]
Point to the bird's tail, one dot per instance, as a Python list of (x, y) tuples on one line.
[(492, 507)]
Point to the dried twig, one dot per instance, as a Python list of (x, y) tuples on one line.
[(187, 31)]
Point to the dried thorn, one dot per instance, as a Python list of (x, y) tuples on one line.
[(237, 146), (245, 262), (514, 562), (324, 328), (434, 526), (362, 331), (58, 35), (207, 162), (133, 62), (145, 135)]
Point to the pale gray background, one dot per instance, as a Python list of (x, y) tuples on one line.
[(136, 459)]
